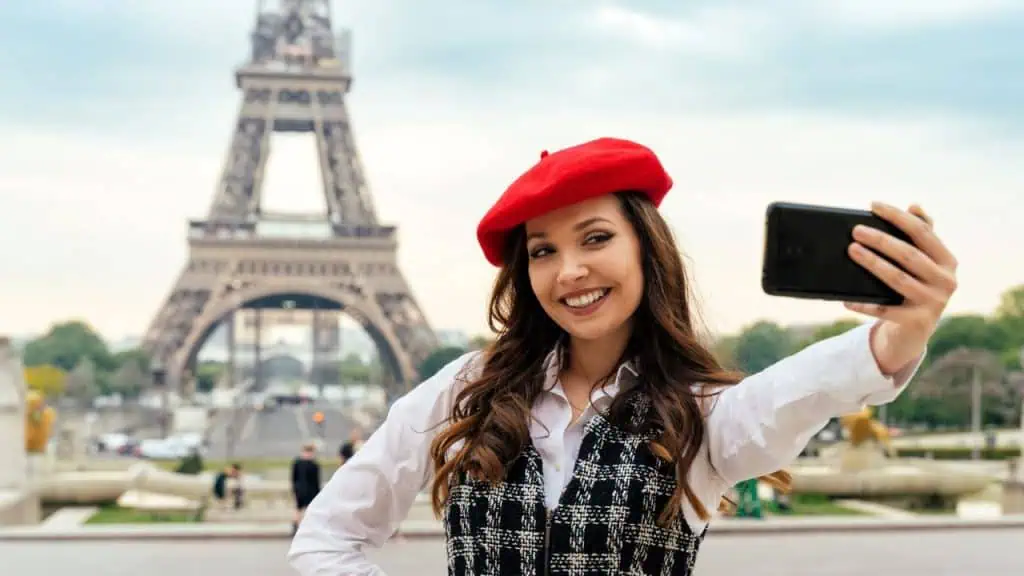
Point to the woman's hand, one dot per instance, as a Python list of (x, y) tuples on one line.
[(927, 284)]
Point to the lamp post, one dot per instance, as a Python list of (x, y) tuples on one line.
[(159, 374)]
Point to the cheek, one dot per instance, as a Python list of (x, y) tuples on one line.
[(540, 282), (632, 279)]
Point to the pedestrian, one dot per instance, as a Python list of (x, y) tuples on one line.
[(598, 433), (220, 486), (355, 442), (345, 453), (305, 481)]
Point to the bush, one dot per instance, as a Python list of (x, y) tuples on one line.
[(191, 464)]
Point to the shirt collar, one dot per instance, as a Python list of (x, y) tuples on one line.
[(602, 396)]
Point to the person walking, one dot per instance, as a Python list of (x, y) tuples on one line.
[(305, 481)]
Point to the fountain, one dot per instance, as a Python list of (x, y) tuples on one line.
[(30, 476), (864, 466)]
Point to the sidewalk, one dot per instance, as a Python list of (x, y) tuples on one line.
[(434, 530)]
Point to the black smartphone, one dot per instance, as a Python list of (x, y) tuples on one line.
[(805, 254)]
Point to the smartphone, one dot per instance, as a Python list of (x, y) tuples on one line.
[(805, 254)]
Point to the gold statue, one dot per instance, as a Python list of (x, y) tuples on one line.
[(861, 427), (38, 422)]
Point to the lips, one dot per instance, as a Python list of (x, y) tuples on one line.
[(580, 300)]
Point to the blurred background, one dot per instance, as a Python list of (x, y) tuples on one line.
[(233, 228)]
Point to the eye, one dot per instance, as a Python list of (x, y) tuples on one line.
[(539, 251), (597, 238)]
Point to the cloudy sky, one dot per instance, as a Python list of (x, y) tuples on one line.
[(116, 115)]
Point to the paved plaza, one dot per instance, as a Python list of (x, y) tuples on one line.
[(975, 552), (279, 433)]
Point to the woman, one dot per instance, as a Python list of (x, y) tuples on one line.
[(598, 432)]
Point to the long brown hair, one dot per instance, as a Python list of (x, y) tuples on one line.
[(491, 414)]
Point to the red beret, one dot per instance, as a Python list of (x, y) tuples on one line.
[(569, 176)]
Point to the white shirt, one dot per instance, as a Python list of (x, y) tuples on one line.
[(755, 427)]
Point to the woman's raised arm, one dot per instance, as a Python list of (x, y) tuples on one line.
[(368, 497)]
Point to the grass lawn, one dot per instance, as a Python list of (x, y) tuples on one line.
[(252, 465), (810, 505), (114, 514)]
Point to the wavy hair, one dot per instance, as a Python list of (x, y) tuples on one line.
[(491, 413)]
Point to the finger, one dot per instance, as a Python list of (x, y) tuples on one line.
[(911, 288), (920, 233), (909, 257), (916, 210), (897, 314)]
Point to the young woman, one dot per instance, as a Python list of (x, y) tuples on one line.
[(597, 433)]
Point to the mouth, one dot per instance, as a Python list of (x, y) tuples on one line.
[(586, 302)]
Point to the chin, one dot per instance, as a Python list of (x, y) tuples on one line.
[(595, 329)]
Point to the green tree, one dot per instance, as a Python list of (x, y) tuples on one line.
[(130, 379), (65, 345), (352, 369), (438, 359), (207, 375), (828, 331), (761, 345), (1009, 317), (82, 383), (945, 389), (137, 355), (967, 331)]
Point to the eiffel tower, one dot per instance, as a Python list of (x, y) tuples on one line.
[(240, 256)]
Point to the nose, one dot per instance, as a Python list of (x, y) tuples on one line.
[(572, 270)]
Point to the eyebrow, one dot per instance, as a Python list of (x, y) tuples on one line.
[(579, 226)]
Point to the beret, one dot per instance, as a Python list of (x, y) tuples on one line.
[(569, 176)]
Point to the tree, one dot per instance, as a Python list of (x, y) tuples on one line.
[(761, 345), (65, 345), (207, 374), (81, 383), (1009, 317), (439, 359), (129, 380), (45, 379), (948, 384), (828, 331), (353, 370), (136, 355), (967, 331)]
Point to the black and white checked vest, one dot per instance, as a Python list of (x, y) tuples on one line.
[(604, 524)]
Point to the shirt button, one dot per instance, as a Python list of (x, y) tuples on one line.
[(558, 468)]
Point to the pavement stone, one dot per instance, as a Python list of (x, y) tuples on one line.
[(975, 552)]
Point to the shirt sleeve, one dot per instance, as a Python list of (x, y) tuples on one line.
[(763, 423), (366, 499)]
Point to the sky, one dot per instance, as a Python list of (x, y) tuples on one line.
[(116, 118)]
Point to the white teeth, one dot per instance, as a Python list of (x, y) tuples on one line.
[(585, 299)]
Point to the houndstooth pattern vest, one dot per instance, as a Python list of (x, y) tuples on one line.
[(604, 524)]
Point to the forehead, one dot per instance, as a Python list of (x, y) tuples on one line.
[(606, 207)]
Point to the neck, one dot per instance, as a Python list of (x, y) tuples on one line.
[(593, 360)]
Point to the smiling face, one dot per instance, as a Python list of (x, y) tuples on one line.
[(584, 265)]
